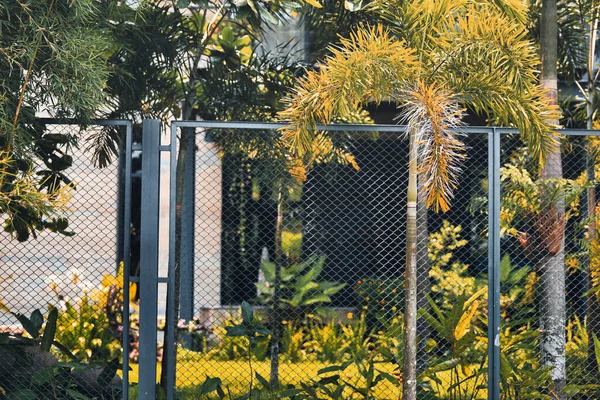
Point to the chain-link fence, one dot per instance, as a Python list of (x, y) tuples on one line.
[(321, 261), (549, 305), (61, 287), (291, 286)]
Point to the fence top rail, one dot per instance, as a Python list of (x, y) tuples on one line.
[(92, 122), (359, 127)]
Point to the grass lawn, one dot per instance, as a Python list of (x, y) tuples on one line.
[(192, 369)]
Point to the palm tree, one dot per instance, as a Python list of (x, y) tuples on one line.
[(577, 36), (434, 58), (550, 223)]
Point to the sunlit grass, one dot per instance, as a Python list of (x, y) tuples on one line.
[(193, 368)]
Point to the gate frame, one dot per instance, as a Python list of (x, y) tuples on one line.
[(150, 198)]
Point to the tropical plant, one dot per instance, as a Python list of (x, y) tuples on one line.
[(300, 289), (379, 297), (325, 341), (254, 332), (293, 342), (440, 58), (34, 373), (459, 347), (53, 58)]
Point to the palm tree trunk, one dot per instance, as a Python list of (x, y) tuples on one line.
[(409, 368), (550, 224), (423, 281), (276, 310)]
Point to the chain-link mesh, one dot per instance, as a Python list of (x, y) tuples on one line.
[(549, 306), (322, 263), (75, 273)]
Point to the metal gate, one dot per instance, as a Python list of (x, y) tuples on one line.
[(200, 283), (333, 242)]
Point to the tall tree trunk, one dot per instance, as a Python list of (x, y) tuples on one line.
[(423, 281), (550, 224), (186, 145), (409, 368), (276, 309)]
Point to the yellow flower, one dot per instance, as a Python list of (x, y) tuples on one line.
[(310, 315), (284, 322), (350, 315), (365, 307)]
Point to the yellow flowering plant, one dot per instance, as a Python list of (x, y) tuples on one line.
[(91, 327)]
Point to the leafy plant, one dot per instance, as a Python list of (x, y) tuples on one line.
[(333, 384), (379, 297), (457, 331), (299, 283), (254, 332), (326, 341), (293, 341), (34, 372), (300, 290), (86, 332)]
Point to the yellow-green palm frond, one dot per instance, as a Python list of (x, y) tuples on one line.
[(367, 67), (494, 68), (433, 114)]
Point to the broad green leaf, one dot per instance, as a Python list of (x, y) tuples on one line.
[(108, 373), (263, 381), (183, 3), (444, 366), (464, 324), (210, 385), (49, 330), (314, 3), (27, 325), (24, 394), (42, 376), (236, 330), (268, 270), (247, 313), (37, 320), (227, 35)]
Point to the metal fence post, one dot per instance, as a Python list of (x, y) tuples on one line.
[(126, 256), (494, 265), (186, 260), (149, 258)]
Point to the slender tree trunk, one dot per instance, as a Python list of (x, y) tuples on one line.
[(423, 281), (186, 144), (550, 225), (276, 310), (409, 369)]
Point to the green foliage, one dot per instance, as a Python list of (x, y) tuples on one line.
[(53, 58), (379, 297), (300, 287), (85, 330), (35, 371), (460, 349), (450, 277), (293, 339), (235, 346), (440, 57), (325, 340)]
